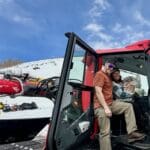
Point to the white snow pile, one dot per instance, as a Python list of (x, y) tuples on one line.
[(42, 68)]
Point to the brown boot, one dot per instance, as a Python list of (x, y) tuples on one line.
[(135, 136)]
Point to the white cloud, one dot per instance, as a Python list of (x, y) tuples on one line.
[(13, 12), (93, 27), (22, 19), (127, 34), (96, 30), (94, 12), (122, 36), (98, 7), (105, 37), (119, 34), (118, 28), (103, 44), (133, 36), (102, 3), (139, 17)]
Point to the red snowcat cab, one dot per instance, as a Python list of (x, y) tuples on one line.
[(73, 123)]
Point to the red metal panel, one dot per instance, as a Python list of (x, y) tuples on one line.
[(138, 46)]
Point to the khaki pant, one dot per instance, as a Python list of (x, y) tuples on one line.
[(117, 107)]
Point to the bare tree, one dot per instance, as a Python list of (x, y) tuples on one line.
[(9, 63)]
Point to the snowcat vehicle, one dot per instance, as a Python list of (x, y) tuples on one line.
[(73, 124)]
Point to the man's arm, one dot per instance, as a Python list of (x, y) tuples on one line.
[(102, 101)]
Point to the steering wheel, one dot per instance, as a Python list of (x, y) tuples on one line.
[(48, 88)]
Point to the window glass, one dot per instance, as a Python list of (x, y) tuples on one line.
[(77, 70)]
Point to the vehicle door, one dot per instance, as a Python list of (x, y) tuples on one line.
[(73, 115), (147, 57)]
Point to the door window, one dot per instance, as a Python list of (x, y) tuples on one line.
[(76, 73)]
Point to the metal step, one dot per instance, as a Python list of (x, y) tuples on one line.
[(138, 145)]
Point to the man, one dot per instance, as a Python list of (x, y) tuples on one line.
[(104, 106)]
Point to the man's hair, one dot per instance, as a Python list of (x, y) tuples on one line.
[(129, 79)]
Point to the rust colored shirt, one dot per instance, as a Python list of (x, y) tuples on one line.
[(102, 80)]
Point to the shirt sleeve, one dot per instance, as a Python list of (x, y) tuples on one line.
[(99, 80)]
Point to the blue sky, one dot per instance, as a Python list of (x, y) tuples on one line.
[(34, 29)]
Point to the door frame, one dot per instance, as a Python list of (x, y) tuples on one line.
[(73, 39)]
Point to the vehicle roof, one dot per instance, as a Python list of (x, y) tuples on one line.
[(135, 47)]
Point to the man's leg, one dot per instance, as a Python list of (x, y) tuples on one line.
[(118, 107), (104, 125), (122, 107)]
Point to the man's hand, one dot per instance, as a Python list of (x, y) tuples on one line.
[(102, 101), (108, 112)]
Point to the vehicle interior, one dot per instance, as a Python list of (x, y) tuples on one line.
[(46, 88), (73, 118), (133, 65)]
